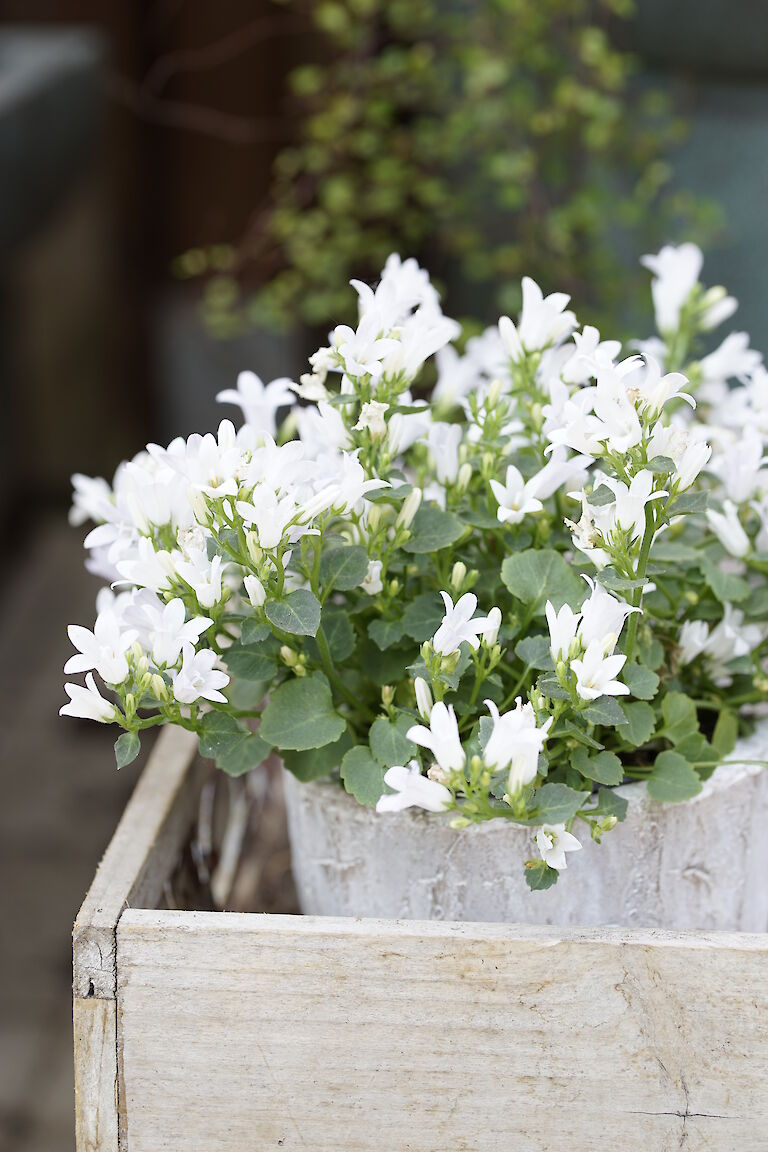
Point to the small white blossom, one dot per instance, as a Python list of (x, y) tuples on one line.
[(676, 272), (372, 419), (255, 590), (515, 743), (543, 321), (423, 697), (443, 441), (197, 678), (728, 528), (562, 629), (260, 402), (595, 673), (163, 627), (602, 618), (493, 623), (441, 738), (553, 842), (204, 577), (692, 640), (372, 583), (364, 350), (87, 703), (458, 625), (103, 649), (515, 497), (412, 790), (628, 513)]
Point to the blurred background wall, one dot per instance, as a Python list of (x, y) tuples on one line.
[(132, 134)]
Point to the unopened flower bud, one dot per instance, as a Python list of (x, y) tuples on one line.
[(423, 697), (459, 822), (199, 507), (463, 477), (438, 774), (288, 656), (255, 589), (491, 634), (494, 394), (409, 509), (159, 687), (373, 517), (387, 695), (252, 544), (608, 823), (458, 573)]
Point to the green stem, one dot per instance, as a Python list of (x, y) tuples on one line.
[(642, 564)]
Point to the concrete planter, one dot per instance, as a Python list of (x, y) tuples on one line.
[(699, 865)]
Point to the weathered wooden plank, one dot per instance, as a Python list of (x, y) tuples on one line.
[(95, 1030), (239, 1032), (138, 860)]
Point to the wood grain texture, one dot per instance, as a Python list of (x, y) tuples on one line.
[(95, 1031), (242, 1032), (138, 860)]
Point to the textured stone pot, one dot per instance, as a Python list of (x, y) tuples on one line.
[(699, 865)]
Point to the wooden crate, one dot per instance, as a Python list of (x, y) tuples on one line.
[(225, 1032)]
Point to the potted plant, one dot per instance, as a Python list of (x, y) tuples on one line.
[(483, 629)]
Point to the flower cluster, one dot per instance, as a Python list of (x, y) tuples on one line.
[(500, 599)]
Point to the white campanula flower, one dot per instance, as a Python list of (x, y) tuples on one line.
[(742, 468), (441, 738), (403, 287), (716, 306), (270, 515), (628, 513), (423, 697), (613, 408), (553, 842), (654, 388), (204, 577), (602, 618), (733, 360), (515, 743), (163, 628), (351, 483), (458, 625), (692, 462), (692, 640), (260, 402), (148, 568), (412, 790), (596, 672), (728, 528), (364, 350), (198, 679), (91, 499), (589, 356), (676, 271), (420, 337), (372, 584), (728, 640), (372, 419), (560, 471), (457, 376), (493, 624), (443, 441), (543, 322), (103, 649), (586, 534), (87, 703), (515, 497), (255, 590), (562, 629)]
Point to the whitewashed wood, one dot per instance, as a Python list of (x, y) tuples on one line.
[(134, 869), (95, 1032), (700, 865), (243, 1032), (138, 860)]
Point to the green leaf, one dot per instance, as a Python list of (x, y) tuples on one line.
[(640, 725), (556, 803), (605, 710), (300, 715), (680, 716), (343, 568), (235, 749), (385, 633), (315, 762), (690, 502), (423, 616), (253, 632), (604, 767), (726, 733), (127, 748), (298, 613), (433, 529), (642, 683), (601, 496), (728, 589), (661, 465), (388, 741), (249, 662), (673, 779), (339, 633), (539, 876), (673, 552), (534, 651), (611, 579), (363, 776), (540, 574)]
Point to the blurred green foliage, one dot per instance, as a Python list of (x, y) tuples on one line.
[(490, 138)]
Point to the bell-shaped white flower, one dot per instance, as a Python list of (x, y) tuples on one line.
[(692, 640), (728, 528), (163, 628), (204, 577), (87, 703), (596, 672), (443, 441), (562, 629), (198, 679), (412, 790), (441, 738), (515, 497), (458, 625), (602, 618), (676, 271), (553, 842), (255, 590), (372, 584), (103, 649), (543, 322), (363, 350), (515, 743), (628, 513), (260, 402)]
